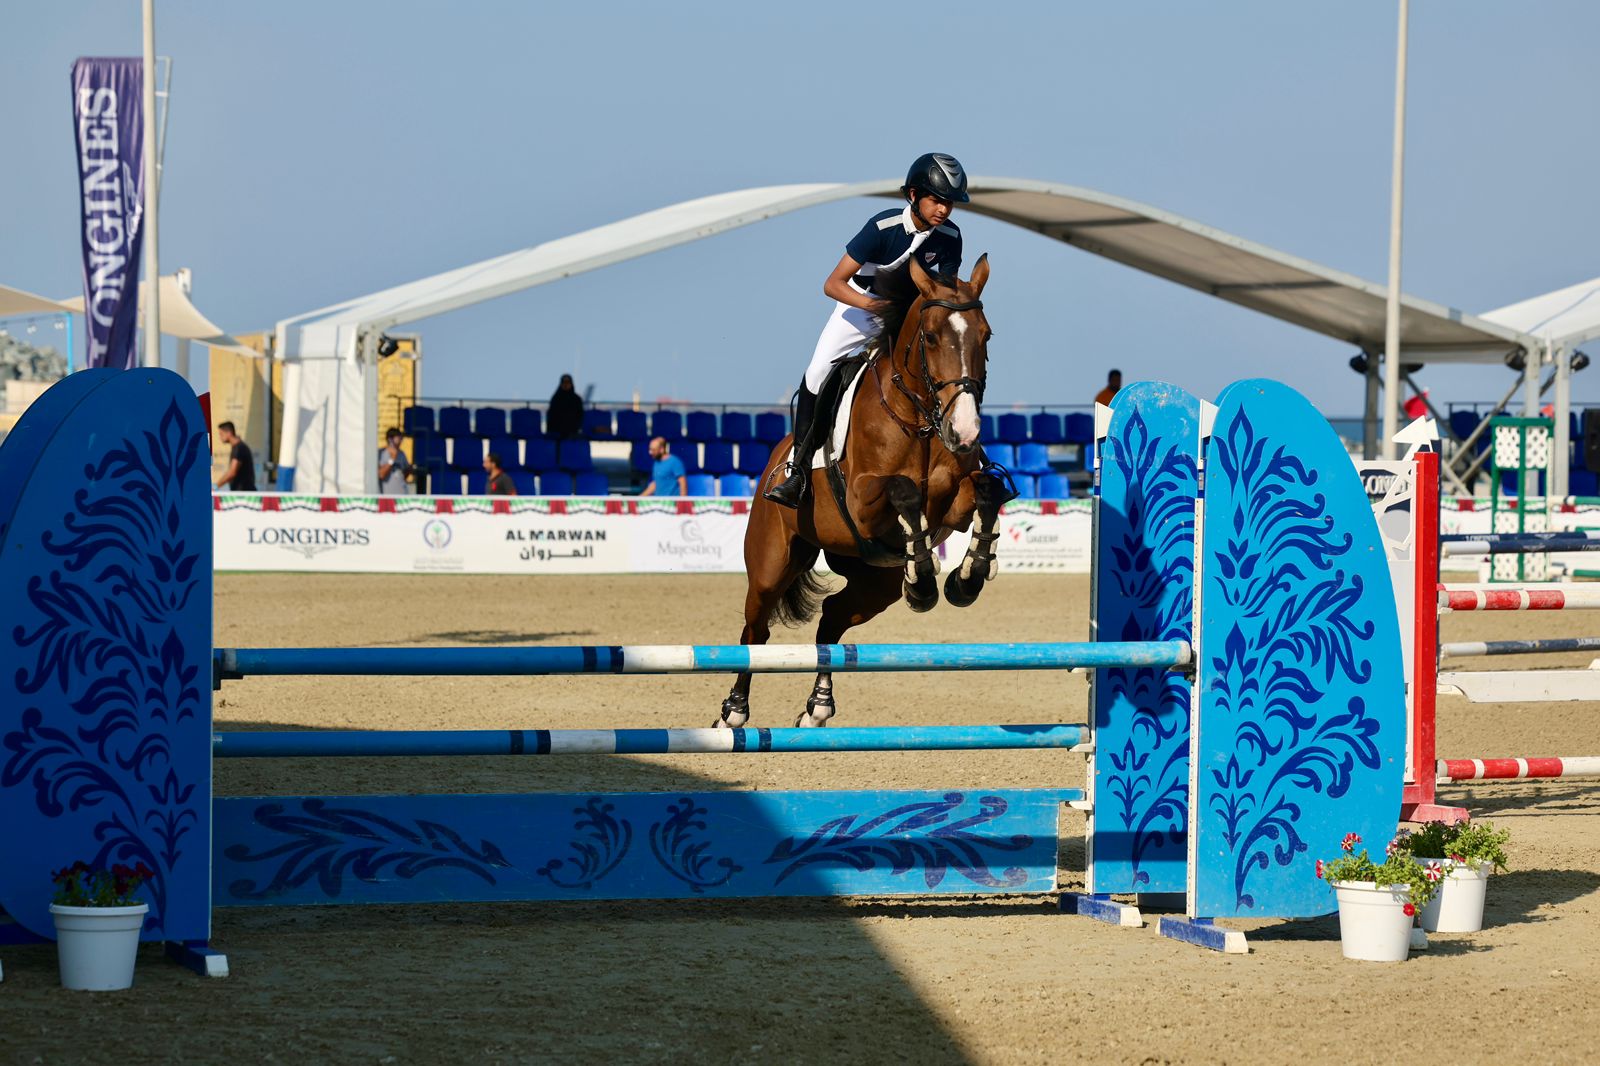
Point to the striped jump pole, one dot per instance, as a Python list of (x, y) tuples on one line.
[(1519, 769), (319, 744), (234, 663), (1470, 648), (1518, 543), (1567, 598)]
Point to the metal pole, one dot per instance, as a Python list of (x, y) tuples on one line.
[(1532, 392), (150, 353), (1391, 332), (1369, 419), (1561, 460)]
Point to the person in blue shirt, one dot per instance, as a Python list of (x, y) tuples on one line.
[(922, 228), (667, 474)]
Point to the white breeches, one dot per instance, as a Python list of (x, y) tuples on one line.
[(848, 328)]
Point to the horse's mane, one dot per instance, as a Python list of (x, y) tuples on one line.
[(901, 292)]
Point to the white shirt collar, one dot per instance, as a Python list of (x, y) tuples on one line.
[(908, 222)]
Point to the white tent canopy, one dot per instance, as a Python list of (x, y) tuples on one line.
[(17, 302), (1566, 317), (179, 317), (330, 421)]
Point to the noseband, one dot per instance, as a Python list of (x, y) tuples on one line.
[(930, 412)]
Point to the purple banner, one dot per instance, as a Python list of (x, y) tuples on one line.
[(106, 109)]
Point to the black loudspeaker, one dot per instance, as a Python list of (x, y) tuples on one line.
[(1591, 438)]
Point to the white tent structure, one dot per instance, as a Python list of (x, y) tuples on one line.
[(331, 398)]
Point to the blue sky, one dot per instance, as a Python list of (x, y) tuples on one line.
[(322, 150)]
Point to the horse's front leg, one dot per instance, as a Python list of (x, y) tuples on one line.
[(922, 565), (980, 564)]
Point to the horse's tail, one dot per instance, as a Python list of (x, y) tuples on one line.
[(801, 600)]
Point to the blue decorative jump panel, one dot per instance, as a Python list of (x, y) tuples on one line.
[(1300, 733), (105, 626), (634, 845), (1144, 590)]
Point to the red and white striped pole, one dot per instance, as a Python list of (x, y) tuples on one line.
[(1519, 769), (1568, 598)]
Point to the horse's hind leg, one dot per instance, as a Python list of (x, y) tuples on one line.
[(780, 586), (868, 591), (961, 588), (922, 565)]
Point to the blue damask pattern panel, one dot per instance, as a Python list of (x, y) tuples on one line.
[(105, 597), (1144, 590), (296, 850), (1300, 734)]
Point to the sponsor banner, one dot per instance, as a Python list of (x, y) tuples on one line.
[(107, 113), (305, 534)]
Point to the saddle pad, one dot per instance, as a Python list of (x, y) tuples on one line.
[(841, 425)]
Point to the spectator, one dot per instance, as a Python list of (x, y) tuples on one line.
[(565, 418), (393, 466), (1113, 386), (241, 473), (499, 481), (667, 476)]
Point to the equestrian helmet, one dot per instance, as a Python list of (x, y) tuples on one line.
[(938, 174)]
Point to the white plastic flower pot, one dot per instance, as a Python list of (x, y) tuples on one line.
[(1373, 923), (1458, 905), (97, 946)]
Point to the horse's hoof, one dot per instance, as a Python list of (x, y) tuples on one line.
[(960, 594), (735, 713), (920, 600)]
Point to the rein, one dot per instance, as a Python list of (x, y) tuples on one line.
[(930, 412)]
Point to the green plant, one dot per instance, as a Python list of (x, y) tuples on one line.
[(1399, 867), (80, 885), (1465, 844)]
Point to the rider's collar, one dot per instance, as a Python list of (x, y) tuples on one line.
[(909, 222)]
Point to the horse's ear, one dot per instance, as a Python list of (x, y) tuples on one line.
[(980, 274), (919, 277)]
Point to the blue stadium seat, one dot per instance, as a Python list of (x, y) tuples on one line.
[(574, 455), (490, 421), (1025, 486), (445, 482), (771, 427), (1001, 455), (466, 452), (455, 421), (1033, 459), (1581, 481), (632, 425), (639, 456), (986, 428), (668, 424), (477, 482), (737, 485), (1462, 423), (592, 483), (1054, 487), (415, 420), (700, 485), (1045, 428), (509, 449), (596, 425), (718, 457), (688, 454), (1079, 428), (527, 423), (555, 483), (431, 451), (539, 455), (753, 458), (700, 425), (526, 483), (1013, 428), (736, 428)]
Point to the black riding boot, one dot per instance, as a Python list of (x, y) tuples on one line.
[(791, 491)]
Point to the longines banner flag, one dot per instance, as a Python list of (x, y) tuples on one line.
[(106, 109)]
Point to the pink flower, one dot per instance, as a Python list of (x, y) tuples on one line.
[(1319, 869), (1410, 910), (1350, 841)]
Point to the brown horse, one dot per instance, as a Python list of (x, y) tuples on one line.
[(913, 472)]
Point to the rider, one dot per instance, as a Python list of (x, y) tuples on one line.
[(934, 185)]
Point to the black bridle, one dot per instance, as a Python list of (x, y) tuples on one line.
[(930, 412)]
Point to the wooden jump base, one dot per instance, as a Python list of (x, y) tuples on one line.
[(1272, 591)]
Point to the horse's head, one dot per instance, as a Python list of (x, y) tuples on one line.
[(951, 343)]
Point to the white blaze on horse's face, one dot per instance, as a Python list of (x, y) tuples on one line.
[(961, 428)]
